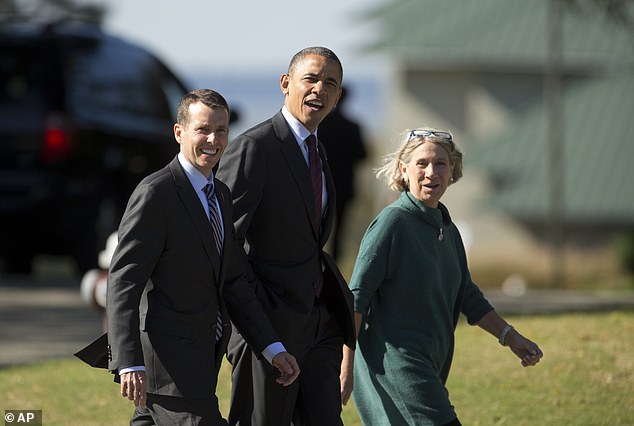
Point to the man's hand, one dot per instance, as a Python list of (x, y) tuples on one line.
[(287, 366), (134, 387)]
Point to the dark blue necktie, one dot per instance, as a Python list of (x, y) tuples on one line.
[(216, 226)]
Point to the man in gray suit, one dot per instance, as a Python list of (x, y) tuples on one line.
[(167, 325), (295, 310)]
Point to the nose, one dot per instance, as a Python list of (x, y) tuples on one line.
[(318, 87), (211, 138)]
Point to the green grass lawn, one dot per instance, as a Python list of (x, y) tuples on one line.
[(585, 378)]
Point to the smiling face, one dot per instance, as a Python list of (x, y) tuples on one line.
[(427, 173), (204, 137), (312, 89)]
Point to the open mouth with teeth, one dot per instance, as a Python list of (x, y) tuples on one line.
[(315, 104), (210, 151), (430, 188)]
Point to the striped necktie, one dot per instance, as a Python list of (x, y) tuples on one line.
[(315, 166), (216, 226)]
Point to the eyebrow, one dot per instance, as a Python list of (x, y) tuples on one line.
[(315, 75)]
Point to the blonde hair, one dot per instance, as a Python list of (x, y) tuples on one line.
[(411, 139)]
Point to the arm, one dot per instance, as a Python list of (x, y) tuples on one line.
[(243, 170), (139, 238), (347, 364), (527, 351), (246, 311), (370, 270), (479, 311)]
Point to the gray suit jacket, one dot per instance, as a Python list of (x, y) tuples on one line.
[(275, 215), (164, 284)]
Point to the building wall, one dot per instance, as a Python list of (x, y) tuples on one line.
[(474, 107)]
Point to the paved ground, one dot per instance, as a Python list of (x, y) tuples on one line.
[(43, 320), (46, 318), (557, 301)]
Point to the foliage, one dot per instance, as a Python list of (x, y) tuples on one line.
[(625, 250)]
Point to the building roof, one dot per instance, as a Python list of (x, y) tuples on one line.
[(501, 33), (598, 112)]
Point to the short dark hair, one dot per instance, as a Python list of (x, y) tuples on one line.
[(314, 50), (209, 97)]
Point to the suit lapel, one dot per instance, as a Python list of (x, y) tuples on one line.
[(297, 166), (196, 212)]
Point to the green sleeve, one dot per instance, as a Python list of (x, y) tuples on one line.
[(372, 265)]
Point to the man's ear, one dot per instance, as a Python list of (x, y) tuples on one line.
[(177, 132), (284, 82)]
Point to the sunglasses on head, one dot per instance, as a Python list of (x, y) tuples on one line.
[(424, 133)]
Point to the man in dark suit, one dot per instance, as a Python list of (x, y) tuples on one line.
[(295, 311), (343, 139), (176, 250)]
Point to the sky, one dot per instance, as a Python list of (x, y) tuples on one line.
[(214, 43), (242, 37)]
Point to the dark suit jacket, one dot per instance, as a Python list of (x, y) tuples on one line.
[(163, 286), (275, 214)]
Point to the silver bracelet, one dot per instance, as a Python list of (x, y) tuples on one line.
[(505, 331)]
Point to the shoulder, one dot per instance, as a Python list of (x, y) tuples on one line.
[(393, 222), (389, 220), (275, 127), (397, 212), (158, 178), (257, 137), (257, 131)]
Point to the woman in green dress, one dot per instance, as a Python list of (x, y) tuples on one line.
[(410, 284)]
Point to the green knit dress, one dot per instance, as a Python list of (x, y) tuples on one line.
[(410, 282)]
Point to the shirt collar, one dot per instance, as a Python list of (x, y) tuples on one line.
[(297, 128), (197, 179)]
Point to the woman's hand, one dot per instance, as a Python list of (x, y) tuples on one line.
[(347, 377), (527, 351)]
